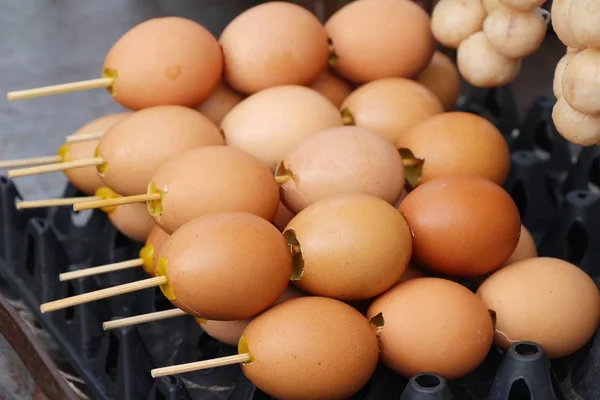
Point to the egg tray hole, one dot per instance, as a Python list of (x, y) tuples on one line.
[(116, 364)]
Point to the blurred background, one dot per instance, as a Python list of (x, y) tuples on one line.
[(48, 42)]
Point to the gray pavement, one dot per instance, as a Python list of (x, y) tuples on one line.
[(44, 42)]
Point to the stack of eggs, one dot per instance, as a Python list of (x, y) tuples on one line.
[(313, 199), (576, 82)]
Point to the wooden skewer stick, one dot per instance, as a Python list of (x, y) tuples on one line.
[(59, 89), (61, 166), (66, 201), (102, 269), (140, 198), (84, 137), (199, 365), (30, 161), (141, 319), (102, 294)]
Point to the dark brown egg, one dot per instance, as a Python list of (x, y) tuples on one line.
[(380, 39), (432, 325), (272, 44), (458, 143), (349, 247), (164, 61), (462, 226), (225, 280), (310, 348)]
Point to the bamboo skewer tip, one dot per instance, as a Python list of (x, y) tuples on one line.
[(140, 198), (101, 269), (200, 365), (64, 201), (30, 161), (102, 294), (99, 83), (59, 166), (84, 137), (143, 318)]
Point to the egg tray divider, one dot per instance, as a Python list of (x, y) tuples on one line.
[(558, 201)]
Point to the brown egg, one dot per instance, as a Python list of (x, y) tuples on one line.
[(462, 225), (482, 66), (380, 39), (282, 217), (334, 88), (230, 332), (298, 343), (132, 220), (375, 106), (411, 272), (525, 248), (452, 21), (340, 160), (515, 33), (432, 325), (150, 252), (230, 279), (211, 179), (350, 247), (458, 143), (221, 101), (544, 300), (272, 44), (574, 126), (164, 61), (136, 147), (270, 123), (442, 79), (86, 179)]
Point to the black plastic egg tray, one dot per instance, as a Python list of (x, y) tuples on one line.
[(559, 202)]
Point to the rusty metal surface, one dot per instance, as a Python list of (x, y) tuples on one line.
[(16, 382), (36, 376)]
